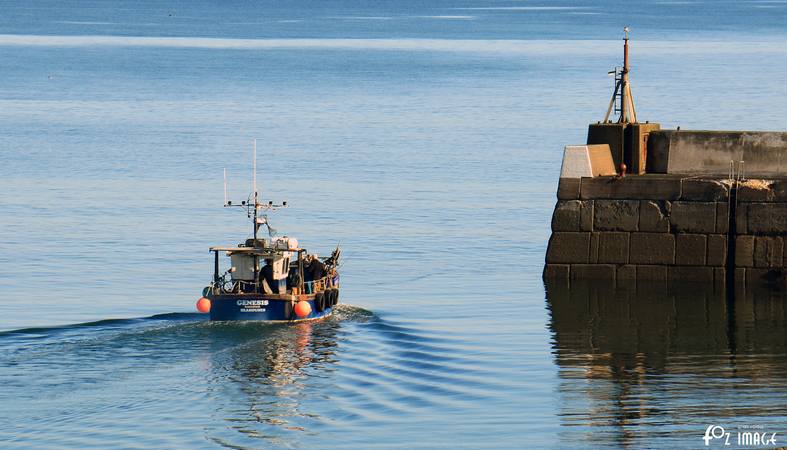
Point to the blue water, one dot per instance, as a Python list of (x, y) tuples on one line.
[(426, 140)]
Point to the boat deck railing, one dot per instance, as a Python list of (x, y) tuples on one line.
[(224, 285), (320, 285)]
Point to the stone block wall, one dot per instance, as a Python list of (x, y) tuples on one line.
[(662, 227)]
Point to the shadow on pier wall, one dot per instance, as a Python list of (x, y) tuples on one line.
[(681, 355)]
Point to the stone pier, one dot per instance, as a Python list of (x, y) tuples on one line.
[(669, 227), (638, 202)]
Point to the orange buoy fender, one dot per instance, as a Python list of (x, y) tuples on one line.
[(203, 305), (302, 309)]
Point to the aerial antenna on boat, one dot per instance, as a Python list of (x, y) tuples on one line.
[(254, 174), (622, 101), (252, 203), (225, 186), (254, 190)]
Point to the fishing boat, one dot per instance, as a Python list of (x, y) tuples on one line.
[(269, 279)]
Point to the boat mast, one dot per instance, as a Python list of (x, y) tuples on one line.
[(256, 205), (253, 203)]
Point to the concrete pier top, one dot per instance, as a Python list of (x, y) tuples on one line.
[(587, 161), (764, 153)]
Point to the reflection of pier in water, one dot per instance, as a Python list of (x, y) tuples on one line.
[(679, 357)]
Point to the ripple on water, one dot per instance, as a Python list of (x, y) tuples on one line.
[(354, 367)]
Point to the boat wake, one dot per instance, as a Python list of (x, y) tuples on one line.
[(243, 383), (343, 312)]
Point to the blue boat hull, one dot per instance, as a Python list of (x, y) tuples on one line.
[(261, 307)]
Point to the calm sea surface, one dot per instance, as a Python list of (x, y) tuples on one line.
[(425, 138)]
